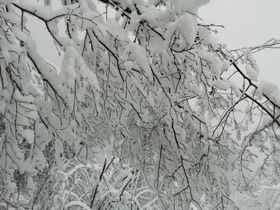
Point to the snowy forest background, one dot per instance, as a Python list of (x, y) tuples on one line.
[(148, 110)]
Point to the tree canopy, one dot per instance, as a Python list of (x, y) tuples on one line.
[(148, 110)]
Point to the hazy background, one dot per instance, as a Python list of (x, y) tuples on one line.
[(247, 23)]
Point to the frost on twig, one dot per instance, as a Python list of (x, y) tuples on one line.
[(147, 111)]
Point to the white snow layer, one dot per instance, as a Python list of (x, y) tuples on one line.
[(186, 25), (251, 73), (188, 5), (138, 53)]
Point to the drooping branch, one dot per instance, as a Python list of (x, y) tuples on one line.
[(254, 85)]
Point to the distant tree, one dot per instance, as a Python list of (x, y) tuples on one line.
[(147, 111)]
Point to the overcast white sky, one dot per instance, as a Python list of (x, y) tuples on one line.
[(247, 23)]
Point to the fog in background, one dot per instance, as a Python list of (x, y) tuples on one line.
[(247, 23)]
